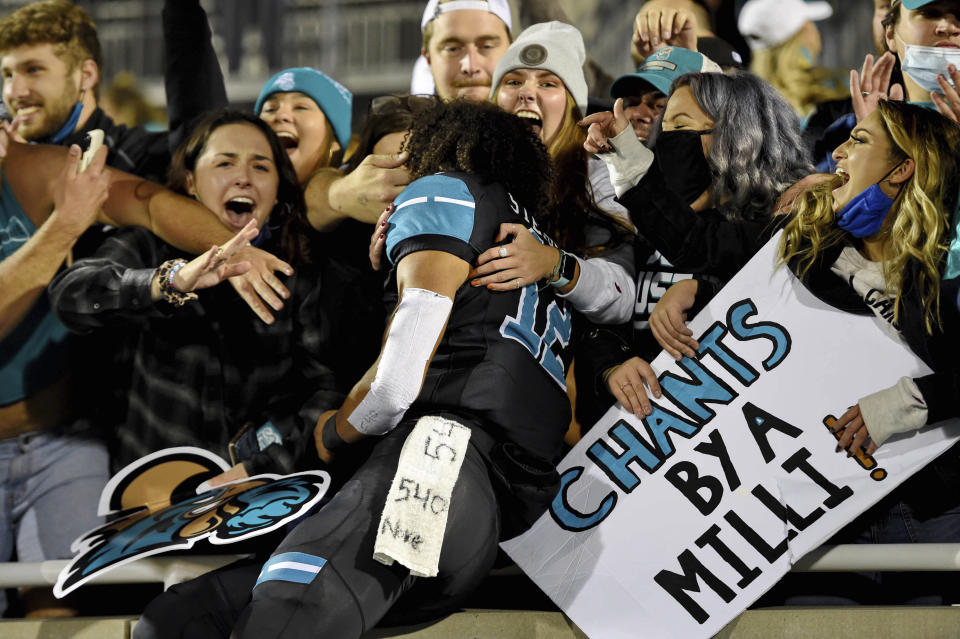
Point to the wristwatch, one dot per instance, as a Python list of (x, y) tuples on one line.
[(567, 270)]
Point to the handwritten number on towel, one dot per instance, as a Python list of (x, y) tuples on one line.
[(436, 503), (436, 450)]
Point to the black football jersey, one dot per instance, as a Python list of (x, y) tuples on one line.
[(504, 356)]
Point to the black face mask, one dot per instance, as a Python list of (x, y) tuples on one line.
[(680, 158)]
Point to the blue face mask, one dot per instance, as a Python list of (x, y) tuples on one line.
[(923, 64), (69, 125), (863, 215)]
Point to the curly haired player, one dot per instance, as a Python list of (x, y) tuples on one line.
[(465, 409)]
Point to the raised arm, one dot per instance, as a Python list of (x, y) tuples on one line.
[(427, 282), (132, 201), (668, 22), (694, 242), (121, 283), (361, 195), (191, 71), (24, 275)]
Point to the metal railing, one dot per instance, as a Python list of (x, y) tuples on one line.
[(174, 569)]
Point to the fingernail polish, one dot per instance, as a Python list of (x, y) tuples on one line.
[(382, 236)]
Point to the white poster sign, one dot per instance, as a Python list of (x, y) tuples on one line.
[(672, 525)]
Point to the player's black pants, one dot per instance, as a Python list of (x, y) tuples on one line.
[(351, 592)]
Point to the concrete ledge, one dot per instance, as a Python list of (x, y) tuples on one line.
[(480, 624), (76, 628), (483, 624), (853, 622), (846, 622)]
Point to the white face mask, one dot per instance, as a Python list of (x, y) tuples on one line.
[(923, 64)]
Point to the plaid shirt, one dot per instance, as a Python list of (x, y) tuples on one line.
[(194, 375)]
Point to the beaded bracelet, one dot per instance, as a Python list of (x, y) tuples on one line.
[(177, 265), (165, 275)]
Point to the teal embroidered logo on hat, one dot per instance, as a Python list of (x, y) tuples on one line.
[(659, 60), (660, 69), (285, 82)]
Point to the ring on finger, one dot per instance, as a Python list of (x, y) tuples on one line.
[(219, 254), (865, 94), (503, 251), (517, 282)]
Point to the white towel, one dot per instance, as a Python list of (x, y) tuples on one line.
[(415, 515)]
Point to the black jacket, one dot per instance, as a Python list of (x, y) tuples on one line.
[(665, 224), (194, 85)]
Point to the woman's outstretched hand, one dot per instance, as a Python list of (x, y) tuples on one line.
[(872, 84), (603, 126), (211, 268)]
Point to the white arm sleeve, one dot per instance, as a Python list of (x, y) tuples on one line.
[(604, 293), (628, 162), (898, 409), (604, 195), (416, 326)]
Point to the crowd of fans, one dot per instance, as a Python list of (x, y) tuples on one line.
[(497, 257)]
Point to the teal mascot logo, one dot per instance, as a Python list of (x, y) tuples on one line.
[(153, 508)]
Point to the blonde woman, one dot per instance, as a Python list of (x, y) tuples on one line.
[(882, 224), (888, 224)]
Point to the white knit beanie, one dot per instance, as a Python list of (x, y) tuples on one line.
[(554, 47)]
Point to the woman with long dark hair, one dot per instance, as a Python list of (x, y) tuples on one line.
[(200, 367), (726, 149)]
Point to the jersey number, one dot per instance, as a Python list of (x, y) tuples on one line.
[(521, 329)]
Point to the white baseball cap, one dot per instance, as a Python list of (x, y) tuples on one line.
[(499, 8), (768, 23), (421, 80)]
